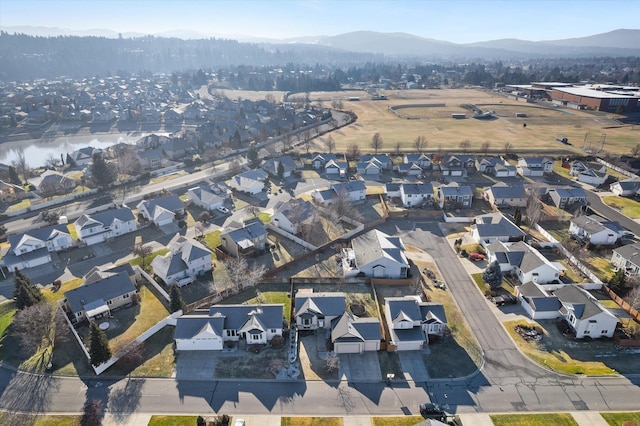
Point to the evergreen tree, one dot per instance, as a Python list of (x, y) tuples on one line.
[(104, 174), (99, 349), (176, 299), (13, 176), (618, 281), (25, 294), (252, 155), (493, 275), (280, 170), (236, 140), (70, 161)]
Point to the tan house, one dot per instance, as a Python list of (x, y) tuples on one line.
[(10, 192)]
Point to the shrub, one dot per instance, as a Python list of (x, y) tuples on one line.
[(277, 341), (464, 253)]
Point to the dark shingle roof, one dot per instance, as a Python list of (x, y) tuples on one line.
[(106, 289), (326, 304)]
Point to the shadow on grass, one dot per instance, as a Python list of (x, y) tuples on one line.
[(448, 359)]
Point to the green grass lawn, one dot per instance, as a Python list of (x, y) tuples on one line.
[(72, 231), (157, 360), (617, 419), (30, 419), (312, 421), (555, 419), (7, 311), (137, 261), (269, 297), (53, 296), (264, 217), (396, 421), (21, 205), (173, 420), (212, 239), (477, 278), (627, 206), (559, 170), (557, 359)]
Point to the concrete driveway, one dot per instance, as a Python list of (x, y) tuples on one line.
[(196, 365), (359, 367), (413, 366)]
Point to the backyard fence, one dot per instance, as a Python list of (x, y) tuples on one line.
[(616, 168), (290, 236), (622, 303), (153, 282)]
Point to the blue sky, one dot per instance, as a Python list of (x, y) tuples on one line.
[(458, 21)]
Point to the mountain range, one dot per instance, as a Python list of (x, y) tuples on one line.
[(620, 42)]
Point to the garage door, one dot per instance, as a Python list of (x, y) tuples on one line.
[(347, 348), (378, 271)]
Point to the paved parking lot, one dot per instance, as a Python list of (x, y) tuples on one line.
[(360, 367)]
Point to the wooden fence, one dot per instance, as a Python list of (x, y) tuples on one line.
[(621, 302)]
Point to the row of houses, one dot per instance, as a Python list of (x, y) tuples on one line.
[(410, 323)]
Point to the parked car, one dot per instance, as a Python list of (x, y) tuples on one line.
[(223, 209), (476, 257), (433, 411), (503, 300)]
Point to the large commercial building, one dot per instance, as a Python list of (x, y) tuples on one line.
[(598, 98)]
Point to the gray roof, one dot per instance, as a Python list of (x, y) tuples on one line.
[(43, 234), (351, 186), (188, 326), (384, 159), (375, 244), (106, 217), (171, 203), (271, 165), (392, 187), (629, 252), (251, 231), (432, 312), (106, 289), (502, 190), (254, 174), (594, 224), (496, 225), (545, 304), (97, 274), (456, 190), (325, 304), (236, 316), (403, 308), (417, 188), (327, 194), (531, 289), (297, 209), (349, 327), (584, 305), (569, 192), (629, 184)]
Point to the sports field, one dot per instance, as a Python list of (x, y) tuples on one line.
[(442, 131)]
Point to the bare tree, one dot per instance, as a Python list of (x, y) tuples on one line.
[(33, 325), (376, 142), (239, 275), (398, 148), (142, 251), (508, 147), (204, 216), (337, 104), (235, 167), (127, 161), (485, 147), (21, 166), (534, 207), (330, 143), (306, 142), (353, 151), (53, 161), (343, 206), (420, 143), (332, 363), (306, 135), (464, 145), (286, 142), (635, 151)]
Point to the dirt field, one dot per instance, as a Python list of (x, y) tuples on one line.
[(443, 132)]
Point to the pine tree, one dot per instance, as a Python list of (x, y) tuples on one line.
[(104, 174), (99, 349), (252, 155), (176, 299), (25, 294), (493, 275), (517, 217), (280, 170), (618, 281)]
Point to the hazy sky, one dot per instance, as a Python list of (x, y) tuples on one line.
[(454, 20)]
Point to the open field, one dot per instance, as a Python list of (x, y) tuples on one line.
[(443, 132)]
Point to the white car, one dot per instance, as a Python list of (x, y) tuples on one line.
[(223, 209)]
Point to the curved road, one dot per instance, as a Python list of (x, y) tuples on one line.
[(508, 381)]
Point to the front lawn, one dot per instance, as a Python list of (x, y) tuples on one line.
[(627, 206), (396, 421), (41, 420), (173, 420), (312, 421), (7, 311), (250, 365), (616, 419), (555, 419), (53, 296)]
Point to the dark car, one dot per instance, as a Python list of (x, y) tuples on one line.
[(431, 411)]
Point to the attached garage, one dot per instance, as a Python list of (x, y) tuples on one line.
[(199, 343), (348, 347), (408, 345)]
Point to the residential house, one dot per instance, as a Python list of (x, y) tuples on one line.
[(373, 164), (336, 168), (291, 215), (151, 159), (100, 298), (33, 247), (177, 148), (578, 167), (534, 166), (585, 314), (10, 193), (313, 311), (410, 321), (354, 191), (458, 165), (161, 211), (527, 263), (568, 196), (503, 195), (392, 189), (537, 302), (625, 188), (353, 335), (422, 160), (186, 259), (247, 240), (205, 198), (52, 182), (492, 227), (495, 166), (100, 227), (595, 230), (84, 156), (101, 272), (416, 194), (592, 177), (209, 329), (627, 258), (271, 166), (173, 115), (409, 169), (454, 196), (251, 181), (375, 254), (320, 160)]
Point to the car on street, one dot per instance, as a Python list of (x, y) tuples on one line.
[(223, 209), (476, 257)]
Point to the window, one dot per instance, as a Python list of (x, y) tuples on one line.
[(126, 296), (306, 321), (109, 302), (587, 332), (273, 331), (255, 337), (604, 331)]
